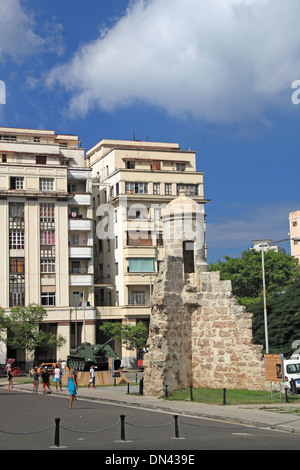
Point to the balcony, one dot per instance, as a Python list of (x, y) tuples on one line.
[(80, 251), (81, 199), (80, 224), (81, 279)]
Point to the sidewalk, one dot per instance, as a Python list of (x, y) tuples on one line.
[(266, 416)]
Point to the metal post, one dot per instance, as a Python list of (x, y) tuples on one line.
[(191, 393), (176, 426), (122, 427), (265, 301), (224, 396), (56, 437), (166, 392), (83, 311), (141, 390)]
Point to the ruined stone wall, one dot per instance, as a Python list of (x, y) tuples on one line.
[(199, 335)]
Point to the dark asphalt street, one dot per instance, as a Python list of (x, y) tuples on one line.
[(28, 423)]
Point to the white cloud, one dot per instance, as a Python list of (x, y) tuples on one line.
[(249, 223), (213, 59), (18, 33)]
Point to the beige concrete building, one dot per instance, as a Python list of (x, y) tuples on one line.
[(294, 221), (46, 237), (132, 182)]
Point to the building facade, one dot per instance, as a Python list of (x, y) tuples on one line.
[(294, 222), (132, 182), (46, 237)]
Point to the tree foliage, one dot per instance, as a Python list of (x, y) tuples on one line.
[(283, 316), (20, 329), (131, 336), (245, 273)]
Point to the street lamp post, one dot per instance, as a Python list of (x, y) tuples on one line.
[(268, 245)]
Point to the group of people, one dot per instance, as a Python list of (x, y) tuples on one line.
[(58, 373), (44, 376)]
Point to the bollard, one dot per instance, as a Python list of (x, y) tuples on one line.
[(224, 396), (141, 391), (191, 394), (122, 427), (176, 426), (166, 392), (56, 437), (128, 388), (286, 395)]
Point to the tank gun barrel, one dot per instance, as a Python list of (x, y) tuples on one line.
[(103, 345)]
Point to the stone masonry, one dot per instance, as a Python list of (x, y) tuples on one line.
[(199, 335)]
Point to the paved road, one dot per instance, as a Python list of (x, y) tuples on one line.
[(32, 417)]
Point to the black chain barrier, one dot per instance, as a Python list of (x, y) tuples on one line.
[(58, 426), (123, 422)]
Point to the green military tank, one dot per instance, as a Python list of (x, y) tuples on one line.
[(88, 354)]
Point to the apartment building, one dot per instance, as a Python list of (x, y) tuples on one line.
[(46, 236), (132, 182), (294, 222)]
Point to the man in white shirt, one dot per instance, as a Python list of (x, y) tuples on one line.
[(92, 377)]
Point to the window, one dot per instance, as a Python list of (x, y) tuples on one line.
[(48, 298), (137, 297), (16, 239), (46, 184), (71, 188), (135, 238), (4, 159), (136, 188), (16, 212), (16, 182), (10, 138), (47, 237), (41, 159), (155, 165), (75, 240), (16, 290), (47, 212), (168, 188), (156, 188), (141, 265), (75, 269), (130, 165), (190, 189), (47, 265), (180, 166), (16, 265)]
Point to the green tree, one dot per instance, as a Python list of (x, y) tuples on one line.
[(245, 273), (283, 314), (131, 336), (20, 329)]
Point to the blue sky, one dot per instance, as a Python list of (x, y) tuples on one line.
[(213, 75)]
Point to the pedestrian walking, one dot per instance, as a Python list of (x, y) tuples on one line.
[(45, 378), (63, 368), (72, 386), (10, 380), (92, 377), (8, 368), (57, 377), (36, 379)]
